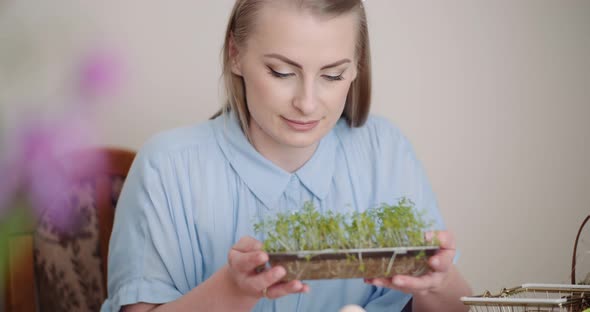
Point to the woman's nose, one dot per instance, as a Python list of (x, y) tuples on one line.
[(305, 101)]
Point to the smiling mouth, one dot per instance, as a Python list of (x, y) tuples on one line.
[(301, 126)]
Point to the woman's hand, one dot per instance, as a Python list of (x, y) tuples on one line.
[(244, 258), (441, 265)]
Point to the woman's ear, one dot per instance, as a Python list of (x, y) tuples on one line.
[(234, 56)]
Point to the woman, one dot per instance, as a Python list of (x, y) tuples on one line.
[(295, 128)]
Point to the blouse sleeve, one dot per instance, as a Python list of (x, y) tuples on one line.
[(145, 262)]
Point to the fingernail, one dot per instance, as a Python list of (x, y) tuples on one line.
[(398, 282), (258, 245), (377, 283), (279, 272), (435, 262), (297, 286)]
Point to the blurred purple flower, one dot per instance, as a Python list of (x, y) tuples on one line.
[(100, 74), (43, 168), (36, 159)]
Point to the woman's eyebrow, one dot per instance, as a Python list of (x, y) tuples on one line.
[(295, 64)]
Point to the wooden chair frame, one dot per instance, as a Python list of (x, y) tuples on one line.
[(19, 288)]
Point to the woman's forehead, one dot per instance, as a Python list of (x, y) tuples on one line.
[(298, 33)]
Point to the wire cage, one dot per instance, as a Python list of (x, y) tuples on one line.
[(533, 298)]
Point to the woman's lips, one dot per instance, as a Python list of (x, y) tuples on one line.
[(300, 125)]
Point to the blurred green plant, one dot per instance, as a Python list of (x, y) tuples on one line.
[(14, 221)]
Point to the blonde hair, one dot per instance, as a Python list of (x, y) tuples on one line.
[(240, 25)]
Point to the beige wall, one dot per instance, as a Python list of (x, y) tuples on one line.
[(494, 95)]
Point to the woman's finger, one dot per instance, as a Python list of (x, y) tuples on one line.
[(380, 282), (246, 262), (412, 284), (267, 278), (442, 261), (248, 243), (446, 240), (283, 289)]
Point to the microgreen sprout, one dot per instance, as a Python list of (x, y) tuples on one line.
[(398, 225)]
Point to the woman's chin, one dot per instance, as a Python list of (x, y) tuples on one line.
[(301, 140)]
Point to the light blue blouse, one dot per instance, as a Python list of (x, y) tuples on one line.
[(193, 192)]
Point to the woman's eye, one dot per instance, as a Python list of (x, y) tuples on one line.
[(333, 78), (278, 74)]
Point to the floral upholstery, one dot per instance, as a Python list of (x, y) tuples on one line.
[(68, 264)]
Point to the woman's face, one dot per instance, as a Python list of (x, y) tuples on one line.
[(297, 70)]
